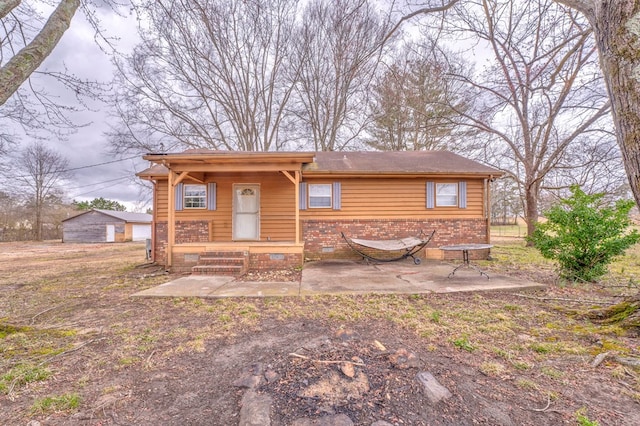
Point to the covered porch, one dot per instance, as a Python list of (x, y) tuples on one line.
[(226, 212)]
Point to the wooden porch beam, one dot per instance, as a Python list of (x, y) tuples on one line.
[(288, 175), (181, 177), (210, 168)]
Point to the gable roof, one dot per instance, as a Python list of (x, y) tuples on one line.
[(124, 216), (324, 162)]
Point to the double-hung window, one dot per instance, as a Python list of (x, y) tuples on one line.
[(446, 194), (195, 196), (320, 195)]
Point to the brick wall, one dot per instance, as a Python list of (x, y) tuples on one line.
[(262, 261), (323, 238), (160, 244), (192, 231)]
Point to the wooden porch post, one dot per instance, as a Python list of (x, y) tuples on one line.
[(171, 226), (297, 191), (295, 179)]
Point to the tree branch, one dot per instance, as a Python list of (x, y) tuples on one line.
[(28, 59), (422, 11), (7, 6), (584, 6)]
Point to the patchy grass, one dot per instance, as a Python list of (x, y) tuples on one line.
[(56, 404), (69, 312), (583, 419), (21, 375)]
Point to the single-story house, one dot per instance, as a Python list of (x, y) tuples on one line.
[(106, 226), (226, 212)]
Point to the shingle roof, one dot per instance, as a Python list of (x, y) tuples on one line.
[(363, 162), (397, 162)]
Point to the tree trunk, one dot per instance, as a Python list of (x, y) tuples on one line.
[(29, 58), (617, 31), (531, 209)]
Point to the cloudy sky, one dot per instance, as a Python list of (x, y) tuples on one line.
[(96, 173)]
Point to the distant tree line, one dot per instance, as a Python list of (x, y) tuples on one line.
[(18, 220), (32, 202)]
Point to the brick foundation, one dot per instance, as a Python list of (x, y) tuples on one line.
[(160, 244), (183, 262), (264, 261), (323, 238)]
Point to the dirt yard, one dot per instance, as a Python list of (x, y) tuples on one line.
[(78, 350)]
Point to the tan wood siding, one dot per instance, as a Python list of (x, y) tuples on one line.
[(379, 198), (277, 206), (395, 198)]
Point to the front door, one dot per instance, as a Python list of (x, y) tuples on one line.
[(246, 212)]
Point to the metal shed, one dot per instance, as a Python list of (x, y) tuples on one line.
[(106, 226)]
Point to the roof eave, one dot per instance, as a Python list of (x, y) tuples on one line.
[(337, 173)]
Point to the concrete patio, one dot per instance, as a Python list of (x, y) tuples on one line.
[(347, 277)]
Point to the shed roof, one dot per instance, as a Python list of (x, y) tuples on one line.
[(124, 216)]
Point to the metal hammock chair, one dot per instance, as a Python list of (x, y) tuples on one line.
[(398, 248)]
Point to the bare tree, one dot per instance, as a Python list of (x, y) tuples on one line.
[(540, 95), (26, 40), (599, 160), (39, 172), (208, 73), (415, 100), (338, 48)]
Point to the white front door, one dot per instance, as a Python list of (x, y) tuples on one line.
[(246, 212)]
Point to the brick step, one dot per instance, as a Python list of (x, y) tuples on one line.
[(217, 270), (221, 261), (222, 254)]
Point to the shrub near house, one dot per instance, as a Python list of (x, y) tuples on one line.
[(584, 236)]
